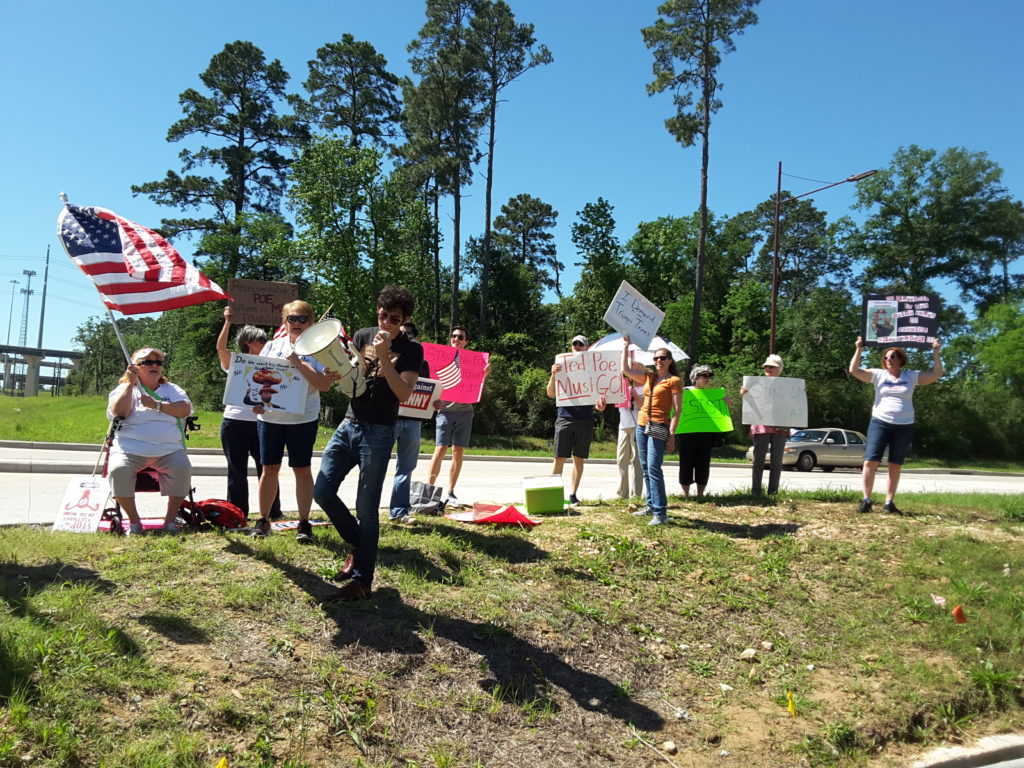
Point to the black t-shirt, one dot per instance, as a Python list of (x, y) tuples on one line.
[(576, 412), (378, 404)]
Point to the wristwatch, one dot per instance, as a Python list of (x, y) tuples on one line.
[(160, 405)]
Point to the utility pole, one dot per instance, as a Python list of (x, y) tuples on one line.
[(23, 336), (42, 309), (10, 315)]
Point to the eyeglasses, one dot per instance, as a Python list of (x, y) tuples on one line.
[(705, 375), (151, 363), (385, 315), (661, 357), (298, 319), (459, 336), (769, 367)]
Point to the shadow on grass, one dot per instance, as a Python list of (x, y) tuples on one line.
[(738, 531), (18, 583), (519, 669), (175, 628)]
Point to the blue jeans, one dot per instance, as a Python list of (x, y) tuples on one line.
[(367, 446), (652, 453), (407, 437)]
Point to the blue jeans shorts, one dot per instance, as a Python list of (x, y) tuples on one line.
[(895, 437), (299, 439)]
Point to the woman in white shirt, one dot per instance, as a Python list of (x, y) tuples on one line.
[(149, 433), (892, 415)]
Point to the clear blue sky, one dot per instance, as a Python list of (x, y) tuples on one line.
[(829, 87)]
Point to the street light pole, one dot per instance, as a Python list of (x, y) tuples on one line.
[(775, 239)]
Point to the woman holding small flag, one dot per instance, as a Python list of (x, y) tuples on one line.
[(149, 413)]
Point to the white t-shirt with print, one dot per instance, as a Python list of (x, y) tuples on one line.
[(283, 348), (894, 396), (146, 431)]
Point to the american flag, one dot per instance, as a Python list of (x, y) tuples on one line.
[(451, 375), (135, 269)]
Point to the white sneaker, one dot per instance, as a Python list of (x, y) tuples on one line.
[(135, 529), (451, 501)]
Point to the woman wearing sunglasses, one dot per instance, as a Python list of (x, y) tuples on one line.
[(656, 424), (892, 415), (295, 431), (695, 447), (149, 433)]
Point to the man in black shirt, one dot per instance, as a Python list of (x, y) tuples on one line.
[(391, 364)]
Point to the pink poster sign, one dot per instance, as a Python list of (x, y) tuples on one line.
[(460, 371)]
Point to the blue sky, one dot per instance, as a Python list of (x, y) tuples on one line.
[(829, 87)]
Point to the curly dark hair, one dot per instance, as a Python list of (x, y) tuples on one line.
[(396, 297)]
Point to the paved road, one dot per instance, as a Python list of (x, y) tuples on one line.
[(33, 480)]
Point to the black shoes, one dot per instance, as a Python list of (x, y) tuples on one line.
[(864, 506), (351, 592), (890, 509), (304, 535)]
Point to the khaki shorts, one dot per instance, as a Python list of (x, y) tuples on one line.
[(174, 471)]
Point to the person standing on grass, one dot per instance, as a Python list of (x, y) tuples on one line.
[(239, 438), (296, 431), (892, 415), (627, 457), (408, 431), (574, 427), (454, 427), (695, 447), (767, 438), (656, 425), (391, 365)]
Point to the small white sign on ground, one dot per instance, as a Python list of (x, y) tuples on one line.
[(82, 506)]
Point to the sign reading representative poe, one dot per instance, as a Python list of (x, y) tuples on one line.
[(259, 302)]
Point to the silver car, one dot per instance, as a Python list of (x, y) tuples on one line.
[(825, 447)]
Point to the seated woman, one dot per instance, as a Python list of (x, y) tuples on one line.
[(150, 413)]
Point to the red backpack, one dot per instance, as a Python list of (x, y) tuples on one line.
[(219, 512)]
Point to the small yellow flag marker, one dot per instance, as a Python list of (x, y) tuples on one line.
[(791, 706), (222, 764)]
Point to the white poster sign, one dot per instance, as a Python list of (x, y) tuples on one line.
[(585, 376), (82, 506), (775, 401), (420, 404), (268, 381), (633, 315)]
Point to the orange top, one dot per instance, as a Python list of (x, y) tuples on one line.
[(660, 401)]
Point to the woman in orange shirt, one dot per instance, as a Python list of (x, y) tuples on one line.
[(656, 425)]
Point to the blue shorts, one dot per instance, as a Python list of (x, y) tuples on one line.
[(299, 439), (454, 428), (895, 437)]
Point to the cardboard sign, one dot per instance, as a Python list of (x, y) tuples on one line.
[(460, 371), (420, 404), (259, 302), (585, 376), (899, 321), (82, 506), (633, 315), (268, 381), (775, 401), (704, 410)]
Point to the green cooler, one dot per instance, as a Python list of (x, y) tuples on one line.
[(544, 493)]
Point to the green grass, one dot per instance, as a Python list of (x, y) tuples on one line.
[(578, 642)]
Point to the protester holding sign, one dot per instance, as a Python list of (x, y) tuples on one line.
[(767, 438), (454, 421), (892, 415), (627, 456), (656, 425), (239, 437), (296, 431), (408, 432), (695, 447), (574, 427), (150, 415), (390, 365)]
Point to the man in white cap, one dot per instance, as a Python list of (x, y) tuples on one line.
[(574, 427)]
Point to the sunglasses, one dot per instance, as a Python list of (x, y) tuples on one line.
[(151, 363), (890, 357), (661, 357), (458, 336), (298, 319), (578, 344), (705, 375), (395, 319)]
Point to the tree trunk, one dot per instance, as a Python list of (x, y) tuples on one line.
[(485, 266), (437, 262), (456, 237), (698, 287)]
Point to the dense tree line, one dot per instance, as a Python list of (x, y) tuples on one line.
[(338, 187)]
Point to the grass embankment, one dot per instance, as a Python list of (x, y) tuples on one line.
[(587, 641), (83, 420)]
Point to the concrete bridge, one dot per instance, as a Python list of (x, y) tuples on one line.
[(34, 359)]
